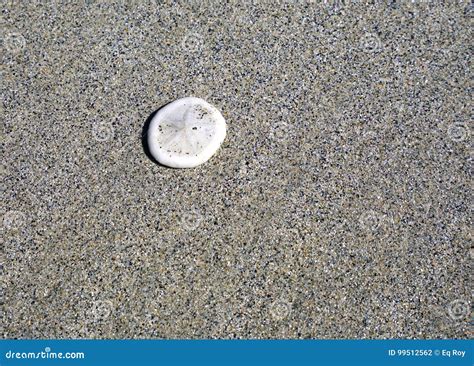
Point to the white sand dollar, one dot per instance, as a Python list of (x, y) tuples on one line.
[(186, 133)]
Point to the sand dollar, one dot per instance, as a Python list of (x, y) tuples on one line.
[(186, 133)]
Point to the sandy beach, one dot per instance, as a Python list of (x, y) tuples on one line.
[(338, 205)]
